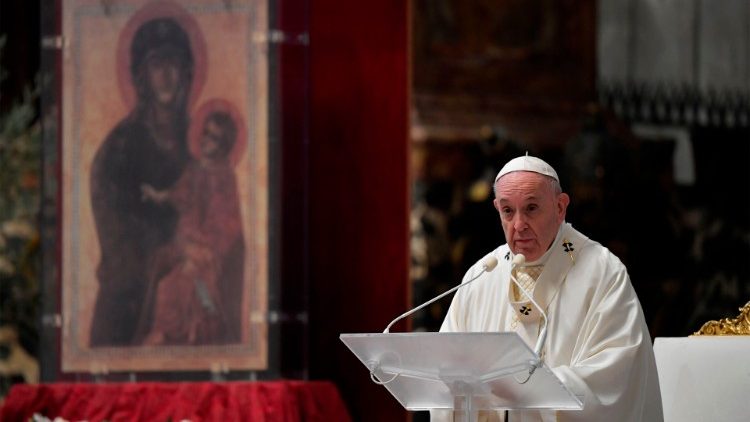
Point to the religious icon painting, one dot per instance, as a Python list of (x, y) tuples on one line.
[(164, 192)]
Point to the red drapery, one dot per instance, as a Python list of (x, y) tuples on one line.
[(282, 401)]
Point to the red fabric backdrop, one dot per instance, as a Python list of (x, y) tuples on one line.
[(291, 401), (359, 188)]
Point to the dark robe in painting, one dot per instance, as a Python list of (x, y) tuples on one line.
[(129, 229)]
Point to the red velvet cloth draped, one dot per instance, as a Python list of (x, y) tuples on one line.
[(282, 401)]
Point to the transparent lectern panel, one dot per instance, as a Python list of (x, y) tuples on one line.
[(430, 370)]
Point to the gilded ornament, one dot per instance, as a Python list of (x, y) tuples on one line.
[(728, 326)]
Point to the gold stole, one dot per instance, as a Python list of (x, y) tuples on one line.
[(565, 248)]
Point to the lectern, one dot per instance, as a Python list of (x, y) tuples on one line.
[(466, 372)]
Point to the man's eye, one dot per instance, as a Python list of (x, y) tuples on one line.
[(532, 207)]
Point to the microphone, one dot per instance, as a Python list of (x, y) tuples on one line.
[(519, 260), (488, 265)]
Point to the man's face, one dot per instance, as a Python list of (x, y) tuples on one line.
[(530, 212)]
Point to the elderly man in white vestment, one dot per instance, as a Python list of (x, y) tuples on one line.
[(598, 343)]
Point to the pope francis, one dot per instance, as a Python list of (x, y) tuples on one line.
[(597, 342)]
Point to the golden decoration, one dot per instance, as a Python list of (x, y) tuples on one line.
[(728, 326), (569, 249)]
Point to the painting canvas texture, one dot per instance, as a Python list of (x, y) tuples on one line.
[(164, 193)]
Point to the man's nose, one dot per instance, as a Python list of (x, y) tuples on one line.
[(519, 222)]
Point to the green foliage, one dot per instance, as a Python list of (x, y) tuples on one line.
[(20, 196), (20, 160)]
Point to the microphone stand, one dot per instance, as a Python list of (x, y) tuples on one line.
[(489, 265)]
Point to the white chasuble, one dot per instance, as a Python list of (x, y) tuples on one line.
[(597, 342)]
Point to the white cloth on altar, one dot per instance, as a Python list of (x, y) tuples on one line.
[(598, 343)]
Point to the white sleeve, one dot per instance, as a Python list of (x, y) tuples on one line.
[(612, 365)]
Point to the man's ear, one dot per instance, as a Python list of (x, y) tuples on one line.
[(496, 204), (562, 205)]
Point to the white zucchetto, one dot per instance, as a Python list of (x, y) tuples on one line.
[(528, 163)]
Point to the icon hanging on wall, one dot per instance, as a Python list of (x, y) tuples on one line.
[(164, 188)]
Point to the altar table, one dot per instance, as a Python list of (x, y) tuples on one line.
[(704, 378)]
